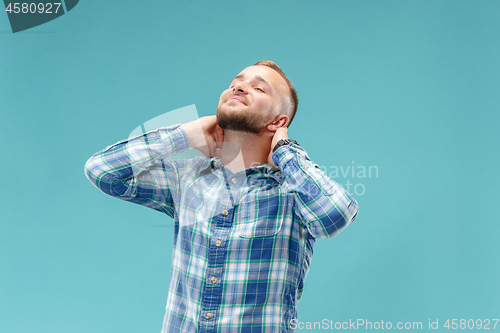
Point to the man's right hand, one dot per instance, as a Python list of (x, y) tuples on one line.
[(205, 135)]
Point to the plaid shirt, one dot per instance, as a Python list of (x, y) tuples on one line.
[(243, 241)]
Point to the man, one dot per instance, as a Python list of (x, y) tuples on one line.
[(246, 216)]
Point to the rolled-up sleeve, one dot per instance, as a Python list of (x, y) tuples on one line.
[(322, 204), (136, 170)]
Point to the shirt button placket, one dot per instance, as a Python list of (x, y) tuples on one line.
[(217, 252)]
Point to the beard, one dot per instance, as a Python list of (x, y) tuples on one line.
[(241, 122)]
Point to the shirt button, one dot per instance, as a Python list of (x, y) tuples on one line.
[(225, 212), (234, 181), (213, 279), (208, 315), (218, 243)]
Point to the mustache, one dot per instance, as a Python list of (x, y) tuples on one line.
[(238, 97)]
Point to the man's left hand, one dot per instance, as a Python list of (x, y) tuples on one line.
[(281, 133)]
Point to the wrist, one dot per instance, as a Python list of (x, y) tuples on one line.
[(284, 142)]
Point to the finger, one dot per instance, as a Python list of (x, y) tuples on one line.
[(219, 140), (218, 149), (212, 149), (219, 133)]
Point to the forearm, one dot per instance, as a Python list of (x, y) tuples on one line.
[(112, 169), (324, 205)]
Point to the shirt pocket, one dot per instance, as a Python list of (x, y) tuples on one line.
[(261, 214)]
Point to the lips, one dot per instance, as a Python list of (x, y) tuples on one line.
[(237, 99)]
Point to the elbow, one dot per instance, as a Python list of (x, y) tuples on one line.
[(90, 171), (329, 225), (103, 179), (352, 210), (337, 220)]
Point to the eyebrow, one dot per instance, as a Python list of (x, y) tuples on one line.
[(258, 78)]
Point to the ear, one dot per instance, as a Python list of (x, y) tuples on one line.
[(278, 122)]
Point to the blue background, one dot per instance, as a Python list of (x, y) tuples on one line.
[(411, 87)]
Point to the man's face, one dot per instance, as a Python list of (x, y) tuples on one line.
[(252, 100)]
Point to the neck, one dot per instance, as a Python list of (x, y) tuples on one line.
[(242, 150)]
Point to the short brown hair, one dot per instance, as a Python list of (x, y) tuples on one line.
[(293, 92)]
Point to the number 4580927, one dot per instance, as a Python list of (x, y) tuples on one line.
[(33, 8), (471, 324)]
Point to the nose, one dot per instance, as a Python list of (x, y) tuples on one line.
[(239, 88)]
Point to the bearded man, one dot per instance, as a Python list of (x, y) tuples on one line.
[(246, 216)]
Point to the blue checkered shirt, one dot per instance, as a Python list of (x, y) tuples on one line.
[(243, 241)]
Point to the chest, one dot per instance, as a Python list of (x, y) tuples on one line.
[(250, 207)]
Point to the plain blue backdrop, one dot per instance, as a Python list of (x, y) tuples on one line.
[(410, 88)]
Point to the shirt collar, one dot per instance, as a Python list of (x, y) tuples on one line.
[(214, 163)]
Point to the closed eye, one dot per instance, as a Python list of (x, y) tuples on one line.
[(259, 89)]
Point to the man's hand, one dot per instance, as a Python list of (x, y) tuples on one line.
[(281, 133), (205, 135)]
